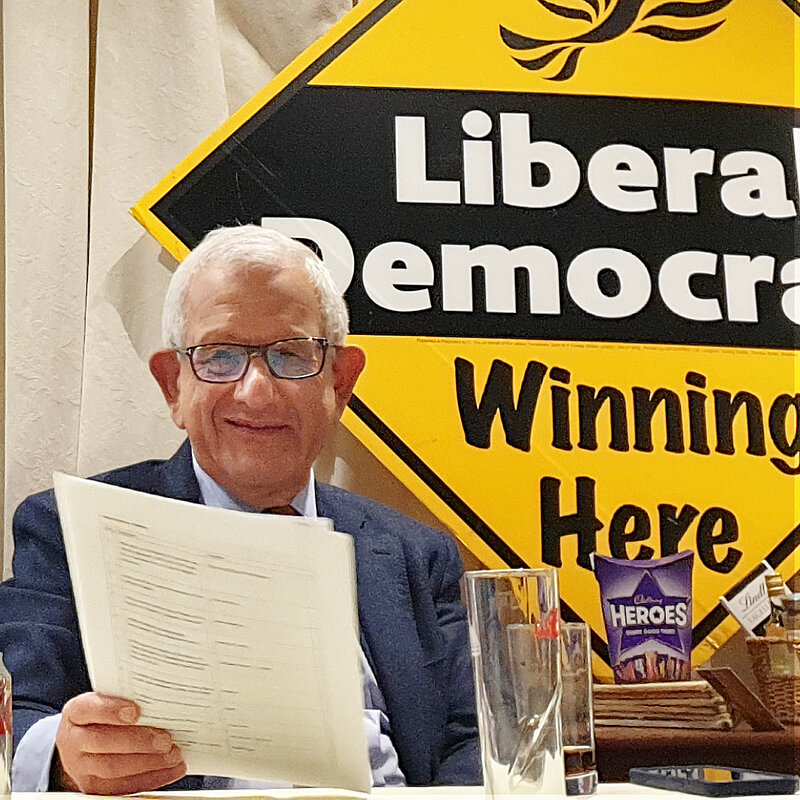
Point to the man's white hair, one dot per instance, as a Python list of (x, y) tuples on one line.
[(253, 247)]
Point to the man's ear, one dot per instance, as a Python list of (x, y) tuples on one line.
[(166, 369), (347, 366)]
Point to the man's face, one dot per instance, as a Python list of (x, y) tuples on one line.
[(256, 437)]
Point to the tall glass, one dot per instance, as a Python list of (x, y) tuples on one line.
[(516, 655), (577, 718)]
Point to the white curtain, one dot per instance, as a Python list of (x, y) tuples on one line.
[(46, 94), (84, 283)]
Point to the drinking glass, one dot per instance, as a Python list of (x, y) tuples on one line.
[(516, 653), (577, 718)]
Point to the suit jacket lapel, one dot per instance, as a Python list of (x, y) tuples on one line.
[(388, 623), (384, 604), (177, 476)]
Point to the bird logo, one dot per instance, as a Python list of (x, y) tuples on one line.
[(674, 21)]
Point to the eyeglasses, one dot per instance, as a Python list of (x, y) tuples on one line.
[(292, 359)]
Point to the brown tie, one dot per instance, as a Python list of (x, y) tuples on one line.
[(286, 511)]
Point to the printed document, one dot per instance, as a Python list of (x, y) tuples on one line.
[(236, 632)]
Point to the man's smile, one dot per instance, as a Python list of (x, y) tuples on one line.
[(258, 427)]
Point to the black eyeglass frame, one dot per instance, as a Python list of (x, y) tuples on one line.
[(262, 350)]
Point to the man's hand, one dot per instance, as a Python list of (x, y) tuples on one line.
[(100, 749)]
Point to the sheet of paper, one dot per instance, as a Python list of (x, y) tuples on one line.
[(236, 632)]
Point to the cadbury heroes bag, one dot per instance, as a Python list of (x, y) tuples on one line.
[(647, 608)]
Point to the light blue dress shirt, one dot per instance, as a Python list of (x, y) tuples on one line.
[(31, 766)]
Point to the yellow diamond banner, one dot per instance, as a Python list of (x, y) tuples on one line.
[(566, 230)]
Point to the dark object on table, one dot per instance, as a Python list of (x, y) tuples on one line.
[(619, 750), (714, 781)]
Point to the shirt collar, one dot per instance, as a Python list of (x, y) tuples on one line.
[(212, 494)]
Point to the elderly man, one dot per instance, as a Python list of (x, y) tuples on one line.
[(257, 372)]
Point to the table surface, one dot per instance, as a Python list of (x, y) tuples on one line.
[(606, 791)]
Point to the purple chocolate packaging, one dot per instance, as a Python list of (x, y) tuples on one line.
[(647, 608)]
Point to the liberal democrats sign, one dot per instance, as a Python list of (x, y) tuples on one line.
[(567, 233)]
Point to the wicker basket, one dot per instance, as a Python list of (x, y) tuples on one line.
[(776, 664)]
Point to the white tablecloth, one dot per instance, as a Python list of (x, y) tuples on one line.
[(607, 791)]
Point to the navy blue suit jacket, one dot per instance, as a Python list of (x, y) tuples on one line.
[(412, 620)]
